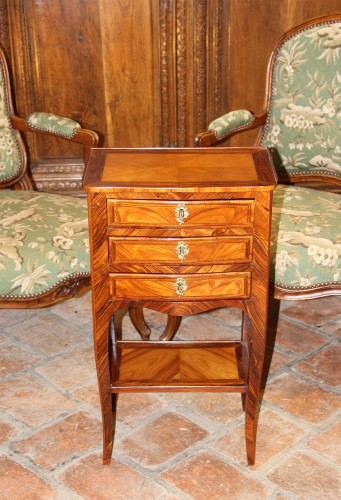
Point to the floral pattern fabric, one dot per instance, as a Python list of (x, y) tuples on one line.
[(231, 122), (304, 117), (10, 158), (57, 125), (306, 238), (43, 241)]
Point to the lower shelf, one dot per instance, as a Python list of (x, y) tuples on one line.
[(178, 369)]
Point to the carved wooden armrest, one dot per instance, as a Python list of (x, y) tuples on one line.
[(54, 124), (230, 123), (59, 126)]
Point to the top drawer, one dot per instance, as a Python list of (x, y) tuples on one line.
[(148, 213)]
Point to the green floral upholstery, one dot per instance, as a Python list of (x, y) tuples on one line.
[(304, 115), (43, 241), (58, 125), (10, 156), (306, 238), (231, 122), (303, 131)]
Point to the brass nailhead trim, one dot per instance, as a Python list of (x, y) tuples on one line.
[(35, 295), (310, 287)]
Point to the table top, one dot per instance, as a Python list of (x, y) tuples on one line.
[(174, 169)]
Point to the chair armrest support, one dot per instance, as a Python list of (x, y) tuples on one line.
[(57, 126), (228, 125), (231, 122), (54, 124)]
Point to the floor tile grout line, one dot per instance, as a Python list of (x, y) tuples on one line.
[(46, 475), (299, 420), (43, 356)]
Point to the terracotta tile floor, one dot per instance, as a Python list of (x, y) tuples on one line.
[(168, 446)]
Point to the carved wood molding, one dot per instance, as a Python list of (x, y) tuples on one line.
[(216, 73), (189, 72), (182, 77), (191, 67), (59, 184), (57, 177), (21, 56), (201, 56), (167, 73), (4, 39)]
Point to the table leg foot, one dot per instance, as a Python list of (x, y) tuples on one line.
[(107, 456), (250, 439), (109, 424)]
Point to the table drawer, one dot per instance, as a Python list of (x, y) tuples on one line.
[(184, 287), (174, 214), (187, 251)]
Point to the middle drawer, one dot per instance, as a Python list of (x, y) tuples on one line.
[(186, 251)]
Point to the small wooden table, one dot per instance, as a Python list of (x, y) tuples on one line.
[(180, 231)]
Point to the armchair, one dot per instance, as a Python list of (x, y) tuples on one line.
[(301, 125), (43, 237)]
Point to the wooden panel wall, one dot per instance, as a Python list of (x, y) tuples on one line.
[(141, 72)]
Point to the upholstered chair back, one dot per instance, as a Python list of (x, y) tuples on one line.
[(303, 125), (12, 152)]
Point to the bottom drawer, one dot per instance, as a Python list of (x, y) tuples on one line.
[(184, 287)]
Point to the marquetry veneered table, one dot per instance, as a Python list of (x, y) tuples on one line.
[(180, 231)]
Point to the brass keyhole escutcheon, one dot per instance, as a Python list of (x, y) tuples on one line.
[(182, 250), (180, 286), (181, 213)]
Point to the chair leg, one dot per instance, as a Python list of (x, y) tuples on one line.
[(137, 319), (139, 322), (173, 325)]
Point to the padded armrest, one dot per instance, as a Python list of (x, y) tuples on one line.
[(231, 122), (54, 124)]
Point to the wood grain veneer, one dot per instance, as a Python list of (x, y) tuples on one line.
[(226, 249), (181, 232), (153, 213)]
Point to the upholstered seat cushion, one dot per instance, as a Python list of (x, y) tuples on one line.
[(43, 241), (306, 238)]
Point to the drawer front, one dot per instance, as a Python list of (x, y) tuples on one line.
[(184, 287), (179, 214), (187, 251)]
